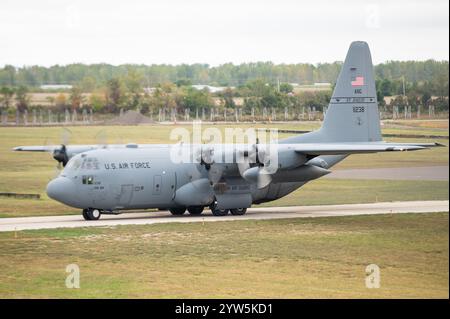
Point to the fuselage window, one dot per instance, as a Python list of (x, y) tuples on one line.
[(89, 179)]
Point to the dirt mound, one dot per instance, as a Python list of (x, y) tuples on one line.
[(130, 118)]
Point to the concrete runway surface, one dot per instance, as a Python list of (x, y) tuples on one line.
[(141, 218), (430, 173)]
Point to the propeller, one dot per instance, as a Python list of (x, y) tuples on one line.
[(258, 173), (205, 157), (60, 154)]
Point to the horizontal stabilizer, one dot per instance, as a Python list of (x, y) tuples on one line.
[(359, 148)]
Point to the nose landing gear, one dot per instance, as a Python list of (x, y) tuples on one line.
[(91, 214)]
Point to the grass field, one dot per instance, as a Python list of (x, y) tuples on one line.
[(30, 172), (295, 258)]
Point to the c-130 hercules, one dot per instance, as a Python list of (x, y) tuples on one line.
[(107, 180)]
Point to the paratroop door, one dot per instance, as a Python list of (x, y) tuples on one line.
[(125, 194)]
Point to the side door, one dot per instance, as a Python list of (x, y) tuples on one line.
[(126, 193), (163, 187)]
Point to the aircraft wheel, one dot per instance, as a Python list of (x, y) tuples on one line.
[(177, 211), (238, 211), (219, 212), (91, 214), (85, 216), (195, 210)]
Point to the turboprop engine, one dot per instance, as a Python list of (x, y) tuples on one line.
[(196, 193)]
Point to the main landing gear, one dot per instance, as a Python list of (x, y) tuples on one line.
[(91, 214), (238, 211), (193, 210), (223, 212)]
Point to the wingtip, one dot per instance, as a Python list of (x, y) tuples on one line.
[(440, 145)]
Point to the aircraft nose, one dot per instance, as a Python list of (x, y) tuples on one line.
[(61, 189)]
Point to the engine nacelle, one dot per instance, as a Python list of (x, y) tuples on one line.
[(196, 193), (302, 174), (289, 159)]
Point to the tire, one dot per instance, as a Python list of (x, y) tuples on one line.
[(91, 214), (85, 215), (238, 211), (195, 210), (177, 211), (219, 212)]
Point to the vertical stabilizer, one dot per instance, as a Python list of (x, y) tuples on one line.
[(353, 114)]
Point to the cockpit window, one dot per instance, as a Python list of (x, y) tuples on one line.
[(90, 163), (73, 165)]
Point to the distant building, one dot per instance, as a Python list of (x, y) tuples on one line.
[(322, 84), (238, 101), (149, 90), (56, 87), (212, 89)]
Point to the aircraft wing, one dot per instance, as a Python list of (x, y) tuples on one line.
[(359, 148), (36, 148), (50, 148), (75, 149)]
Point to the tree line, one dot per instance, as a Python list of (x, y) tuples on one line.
[(90, 77), (256, 85)]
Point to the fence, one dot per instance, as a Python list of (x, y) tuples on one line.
[(86, 117)]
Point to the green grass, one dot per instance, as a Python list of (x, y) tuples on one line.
[(294, 258)]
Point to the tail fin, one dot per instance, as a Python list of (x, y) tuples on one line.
[(353, 114)]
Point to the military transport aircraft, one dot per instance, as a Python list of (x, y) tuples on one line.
[(108, 180)]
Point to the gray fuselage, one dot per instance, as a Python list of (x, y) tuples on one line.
[(142, 178)]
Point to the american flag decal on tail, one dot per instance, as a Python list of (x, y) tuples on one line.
[(358, 81)]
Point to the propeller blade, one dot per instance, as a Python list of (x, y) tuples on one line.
[(101, 138), (243, 162), (207, 154), (264, 178), (56, 172), (215, 173), (66, 135), (251, 174), (258, 175), (197, 172)]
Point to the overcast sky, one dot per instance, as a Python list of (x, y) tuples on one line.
[(215, 32)]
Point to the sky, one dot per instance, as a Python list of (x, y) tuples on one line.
[(216, 32)]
